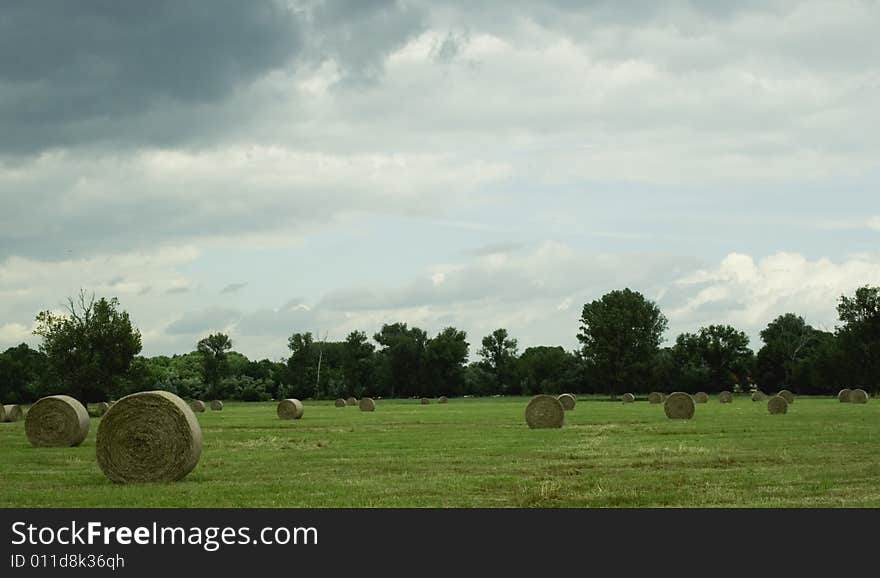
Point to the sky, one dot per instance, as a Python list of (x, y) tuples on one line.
[(269, 167)]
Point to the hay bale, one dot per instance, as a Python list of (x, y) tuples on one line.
[(351, 401), (567, 400), (679, 405), (425, 401), (57, 421), (11, 412), (759, 396), (290, 409), (843, 395), (197, 406), (442, 399), (151, 436), (216, 405), (701, 397), (858, 396), (339, 402), (544, 411), (367, 404), (777, 405), (627, 398), (99, 409), (787, 395), (655, 397), (725, 397)]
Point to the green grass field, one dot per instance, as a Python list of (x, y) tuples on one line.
[(480, 453)]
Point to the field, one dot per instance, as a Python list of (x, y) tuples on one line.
[(480, 453)]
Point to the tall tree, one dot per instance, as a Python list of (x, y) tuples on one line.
[(403, 351), (788, 342), (90, 348), (860, 335), (215, 364), (357, 364), (546, 369), (445, 358), (303, 364), (499, 353), (22, 370), (720, 352), (620, 335)]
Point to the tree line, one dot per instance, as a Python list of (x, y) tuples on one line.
[(92, 352)]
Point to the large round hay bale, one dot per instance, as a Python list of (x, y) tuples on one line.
[(351, 401), (197, 406), (679, 405), (567, 400), (216, 405), (777, 405), (12, 412), (425, 401), (655, 397), (57, 421), (627, 398), (759, 396), (339, 402), (442, 399), (787, 396), (858, 396), (701, 397), (367, 404), (151, 436), (725, 397), (843, 395), (290, 409), (544, 411)]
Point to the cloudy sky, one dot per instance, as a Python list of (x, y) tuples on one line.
[(269, 167)]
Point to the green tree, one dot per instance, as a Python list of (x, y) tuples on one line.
[(403, 353), (215, 365), (860, 335), (358, 364), (620, 335), (89, 350), (445, 359), (718, 355), (303, 365), (499, 353), (546, 369), (22, 372)]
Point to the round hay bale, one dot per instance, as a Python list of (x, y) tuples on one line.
[(442, 399), (701, 397), (425, 401), (725, 397), (339, 402), (351, 401), (197, 406), (787, 395), (843, 395), (655, 397), (627, 398), (100, 408), (567, 400), (216, 405), (367, 404), (759, 396), (151, 436), (544, 411), (290, 409), (777, 405), (57, 421), (11, 412), (679, 405), (858, 396)]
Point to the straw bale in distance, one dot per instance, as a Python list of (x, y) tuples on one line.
[(442, 399), (777, 405), (351, 401), (11, 412), (216, 405), (858, 396), (567, 400), (725, 397), (759, 396), (843, 395), (151, 436), (627, 398), (197, 405), (290, 409), (545, 411), (425, 401), (57, 421), (339, 402), (787, 395), (655, 397), (701, 397), (367, 404), (679, 405)]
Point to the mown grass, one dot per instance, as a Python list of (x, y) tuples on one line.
[(479, 453)]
